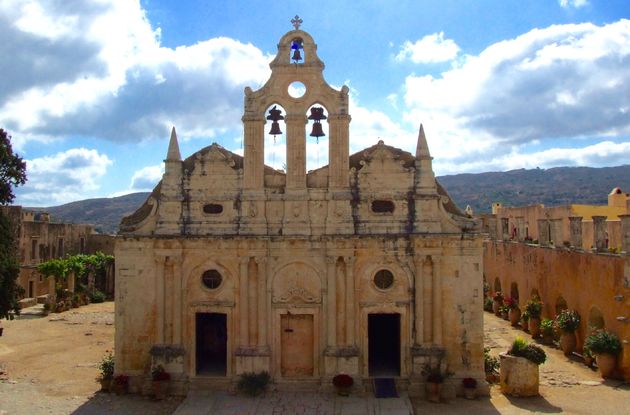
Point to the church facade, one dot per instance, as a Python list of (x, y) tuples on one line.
[(364, 266)]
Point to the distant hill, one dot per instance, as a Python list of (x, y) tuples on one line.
[(552, 187)]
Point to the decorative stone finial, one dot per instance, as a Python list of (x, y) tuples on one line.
[(173, 148), (296, 22)]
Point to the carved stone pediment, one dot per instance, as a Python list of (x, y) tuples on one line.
[(297, 295), (297, 283)]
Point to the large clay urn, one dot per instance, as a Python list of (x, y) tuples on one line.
[(568, 342), (515, 316), (534, 326), (519, 376), (496, 305), (606, 363)]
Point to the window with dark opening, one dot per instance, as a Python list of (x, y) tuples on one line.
[(382, 206), (213, 208), (383, 279), (212, 279)]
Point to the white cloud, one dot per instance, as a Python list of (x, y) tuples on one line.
[(565, 83), (430, 49), (65, 176), (572, 3), (146, 178), (96, 68)]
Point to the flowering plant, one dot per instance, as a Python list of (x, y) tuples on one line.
[(498, 296), (343, 381), (158, 374), (534, 308), (469, 383), (510, 303), (106, 366), (121, 380)]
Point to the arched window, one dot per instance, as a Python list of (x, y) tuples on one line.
[(275, 137)]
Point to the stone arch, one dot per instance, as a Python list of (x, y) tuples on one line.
[(595, 320), (561, 305), (368, 290), (296, 282), (317, 147), (194, 284), (275, 147), (497, 284), (514, 291)]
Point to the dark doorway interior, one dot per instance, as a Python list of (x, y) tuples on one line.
[(211, 329), (31, 291), (384, 345)]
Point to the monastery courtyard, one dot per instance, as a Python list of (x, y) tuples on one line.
[(48, 366)]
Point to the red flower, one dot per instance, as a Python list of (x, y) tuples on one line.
[(343, 381)]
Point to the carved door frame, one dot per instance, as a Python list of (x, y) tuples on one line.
[(276, 334)]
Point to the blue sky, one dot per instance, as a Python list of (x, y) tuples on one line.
[(90, 89)]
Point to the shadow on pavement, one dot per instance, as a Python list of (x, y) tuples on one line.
[(479, 406), (535, 404), (109, 403)]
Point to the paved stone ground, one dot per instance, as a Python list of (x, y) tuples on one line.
[(290, 403)]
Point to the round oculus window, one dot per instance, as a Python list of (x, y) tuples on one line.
[(212, 279), (384, 279)]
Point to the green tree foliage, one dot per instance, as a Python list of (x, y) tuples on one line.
[(12, 169), (80, 266), (10, 292)]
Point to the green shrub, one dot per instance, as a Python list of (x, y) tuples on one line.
[(534, 308), (531, 352), (106, 366), (546, 327), (568, 320), (603, 342), (488, 304), (252, 383), (97, 297)]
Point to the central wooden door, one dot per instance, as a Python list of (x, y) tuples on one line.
[(296, 345)]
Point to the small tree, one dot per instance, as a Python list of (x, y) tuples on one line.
[(12, 174)]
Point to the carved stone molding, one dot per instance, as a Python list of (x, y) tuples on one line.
[(297, 294), (212, 303)]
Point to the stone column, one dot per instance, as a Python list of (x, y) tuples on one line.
[(427, 277), (340, 288), (575, 231), (254, 152), (556, 231), (159, 294), (71, 280), (252, 302), (296, 151), (543, 232), (418, 301), (331, 301), (505, 229), (599, 233), (242, 302), (262, 302), (437, 301), (625, 233), (350, 329), (338, 151), (178, 312), (492, 227)]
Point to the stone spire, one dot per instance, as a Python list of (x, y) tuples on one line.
[(173, 148), (422, 148)]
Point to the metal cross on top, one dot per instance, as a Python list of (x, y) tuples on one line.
[(296, 22)]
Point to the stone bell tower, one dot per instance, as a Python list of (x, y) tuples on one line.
[(284, 71)]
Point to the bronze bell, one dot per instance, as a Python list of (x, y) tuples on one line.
[(317, 130), (275, 128), (297, 56)]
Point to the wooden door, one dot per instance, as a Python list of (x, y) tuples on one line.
[(296, 345)]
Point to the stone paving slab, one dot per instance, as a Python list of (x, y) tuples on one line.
[(290, 403)]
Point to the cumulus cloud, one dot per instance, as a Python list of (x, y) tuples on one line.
[(146, 178), (430, 49), (96, 68), (573, 3), (67, 175), (565, 82)]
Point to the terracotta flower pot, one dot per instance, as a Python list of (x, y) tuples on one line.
[(495, 307), (160, 389), (534, 327), (568, 343), (106, 385), (606, 363), (525, 325), (433, 391), (515, 316), (470, 393)]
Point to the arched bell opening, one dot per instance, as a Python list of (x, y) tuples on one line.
[(317, 136), (296, 51), (275, 137)]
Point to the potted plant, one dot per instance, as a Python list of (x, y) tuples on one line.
[(588, 357), (106, 366), (435, 378), (503, 312), (470, 387), (534, 309), (519, 368), (490, 365), (488, 304), (568, 321), (46, 309), (497, 302), (546, 330), (252, 383), (525, 321), (120, 384), (343, 384), (514, 313), (605, 346), (160, 381)]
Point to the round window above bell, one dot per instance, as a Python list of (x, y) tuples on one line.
[(383, 279), (212, 279)]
